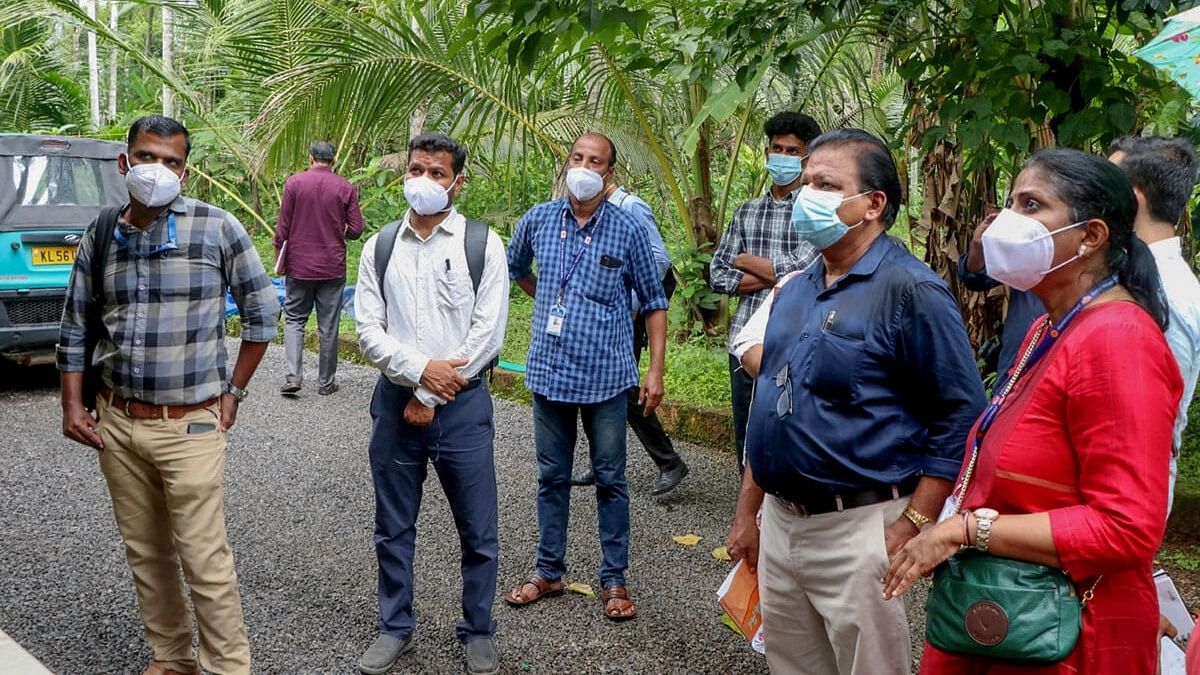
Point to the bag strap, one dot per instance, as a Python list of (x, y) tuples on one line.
[(384, 244), (475, 243), (106, 224)]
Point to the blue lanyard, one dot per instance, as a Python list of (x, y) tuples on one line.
[(564, 273), (169, 245), (1047, 334)]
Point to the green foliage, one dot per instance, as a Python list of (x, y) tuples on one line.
[(35, 94)]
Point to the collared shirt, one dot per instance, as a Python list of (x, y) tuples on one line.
[(165, 312), (761, 227), (318, 213), (591, 360), (639, 208), (879, 372), (430, 310), (1183, 331), (1023, 309)]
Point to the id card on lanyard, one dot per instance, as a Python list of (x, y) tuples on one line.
[(558, 310)]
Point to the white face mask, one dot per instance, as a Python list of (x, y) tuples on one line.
[(152, 184), (584, 184), (1018, 251), (426, 196)]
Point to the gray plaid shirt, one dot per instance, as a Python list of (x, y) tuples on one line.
[(761, 227), (165, 311)]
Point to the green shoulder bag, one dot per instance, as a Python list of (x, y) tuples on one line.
[(999, 608)]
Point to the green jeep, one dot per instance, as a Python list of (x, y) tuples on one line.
[(51, 189)]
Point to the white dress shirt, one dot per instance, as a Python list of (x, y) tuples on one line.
[(432, 312), (1183, 332), (754, 331)]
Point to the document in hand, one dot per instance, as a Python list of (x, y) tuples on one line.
[(281, 260), (1170, 605), (738, 596)]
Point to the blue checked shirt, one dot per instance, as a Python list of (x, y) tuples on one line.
[(592, 359), (761, 227), (165, 312)]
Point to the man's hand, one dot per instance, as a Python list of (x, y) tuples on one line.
[(229, 408), (652, 391), (80, 426), (897, 535), (752, 361), (417, 414), (742, 543), (442, 378), (975, 261)]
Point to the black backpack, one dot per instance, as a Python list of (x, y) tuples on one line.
[(106, 222), (474, 244)]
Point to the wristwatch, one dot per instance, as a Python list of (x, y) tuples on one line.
[(916, 517), (983, 527), (238, 393)]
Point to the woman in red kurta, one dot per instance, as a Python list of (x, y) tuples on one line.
[(1076, 459)]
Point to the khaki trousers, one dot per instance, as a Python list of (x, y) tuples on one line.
[(167, 494), (822, 600)]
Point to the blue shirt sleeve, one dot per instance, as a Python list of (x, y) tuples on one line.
[(644, 277), (520, 249), (937, 359), (974, 281)]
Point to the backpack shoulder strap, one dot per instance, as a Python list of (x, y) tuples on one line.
[(475, 243), (384, 243), (102, 238)]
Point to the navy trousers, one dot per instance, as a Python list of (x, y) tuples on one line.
[(459, 444)]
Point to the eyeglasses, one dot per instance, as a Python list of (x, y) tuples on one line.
[(783, 404), (170, 245)]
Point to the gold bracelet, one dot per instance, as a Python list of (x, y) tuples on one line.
[(916, 518)]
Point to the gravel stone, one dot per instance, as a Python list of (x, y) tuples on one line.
[(300, 508)]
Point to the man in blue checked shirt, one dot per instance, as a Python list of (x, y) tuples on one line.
[(590, 255)]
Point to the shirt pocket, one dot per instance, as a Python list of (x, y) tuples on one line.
[(833, 369), (454, 290), (607, 281)]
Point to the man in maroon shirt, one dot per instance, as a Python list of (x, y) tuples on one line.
[(319, 212)]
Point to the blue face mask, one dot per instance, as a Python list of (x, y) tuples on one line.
[(815, 218), (783, 168)]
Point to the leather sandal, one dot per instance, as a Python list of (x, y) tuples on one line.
[(544, 589), (617, 594)]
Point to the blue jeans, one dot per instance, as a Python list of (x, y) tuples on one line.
[(554, 426), (459, 443)]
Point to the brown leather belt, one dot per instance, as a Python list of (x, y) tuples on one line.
[(150, 411)]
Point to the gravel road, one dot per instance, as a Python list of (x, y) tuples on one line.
[(299, 508)]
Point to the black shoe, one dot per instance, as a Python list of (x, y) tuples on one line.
[(669, 479), (383, 653), (290, 388), (328, 389), (583, 478)]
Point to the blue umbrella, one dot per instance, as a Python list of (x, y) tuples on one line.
[(1176, 50)]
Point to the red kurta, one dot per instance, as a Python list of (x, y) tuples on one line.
[(1086, 436)]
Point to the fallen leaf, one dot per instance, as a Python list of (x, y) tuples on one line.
[(687, 539), (721, 553), (731, 624), (582, 589)]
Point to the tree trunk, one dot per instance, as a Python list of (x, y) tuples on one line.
[(114, 8), (89, 6), (168, 58)]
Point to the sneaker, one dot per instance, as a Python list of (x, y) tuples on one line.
[(328, 389), (383, 653), (290, 388), (481, 657)]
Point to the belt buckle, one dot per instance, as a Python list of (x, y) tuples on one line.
[(795, 507), (127, 412)]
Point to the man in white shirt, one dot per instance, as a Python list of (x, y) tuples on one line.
[(1163, 173), (433, 335)]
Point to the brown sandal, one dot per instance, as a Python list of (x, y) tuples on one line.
[(618, 594), (544, 589)]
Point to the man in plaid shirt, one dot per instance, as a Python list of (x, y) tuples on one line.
[(590, 255), (168, 397), (760, 246)]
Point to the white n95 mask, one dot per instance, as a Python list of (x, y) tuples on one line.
[(1018, 251), (426, 196), (152, 184), (583, 183)]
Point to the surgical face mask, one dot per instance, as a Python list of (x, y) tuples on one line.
[(426, 196), (784, 169), (152, 184), (1018, 251), (584, 184), (815, 216)]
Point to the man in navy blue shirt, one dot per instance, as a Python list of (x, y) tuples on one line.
[(590, 255), (865, 392)]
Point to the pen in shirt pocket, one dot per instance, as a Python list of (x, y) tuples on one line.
[(828, 321), (447, 264)]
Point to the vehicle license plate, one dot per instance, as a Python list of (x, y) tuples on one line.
[(53, 255)]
